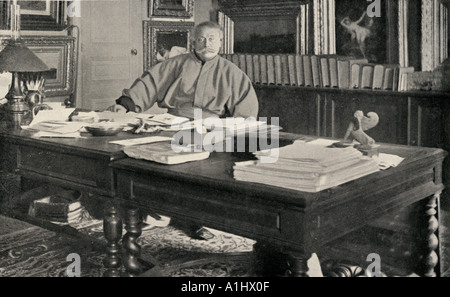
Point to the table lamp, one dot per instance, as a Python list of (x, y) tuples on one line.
[(17, 58)]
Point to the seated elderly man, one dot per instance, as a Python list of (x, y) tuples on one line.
[(199, 79)]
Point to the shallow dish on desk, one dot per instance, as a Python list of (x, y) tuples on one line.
[(105, 128)]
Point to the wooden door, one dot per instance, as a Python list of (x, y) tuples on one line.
[(111, 50)]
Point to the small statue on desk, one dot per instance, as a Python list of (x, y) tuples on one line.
[(356, 131)]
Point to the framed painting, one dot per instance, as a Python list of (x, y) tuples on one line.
[(59, 54), (171, 8), (264, 26), (362, 36), (43, 15), (163, 40), (34, 7)]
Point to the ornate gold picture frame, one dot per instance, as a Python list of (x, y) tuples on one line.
[(171, 8), (160, 37), (36, 15), (58, 53)]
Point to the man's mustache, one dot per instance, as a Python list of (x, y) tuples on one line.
[(208, 50)]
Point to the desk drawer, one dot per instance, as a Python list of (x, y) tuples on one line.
[(214, 207), (66, 169)]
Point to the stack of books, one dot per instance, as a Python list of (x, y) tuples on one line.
[(321, 71), (62, 208), (307, 167)]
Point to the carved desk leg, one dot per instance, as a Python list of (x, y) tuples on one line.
[(131, 249), (298, 264), (112, 228), (432, 259), (271, 261)]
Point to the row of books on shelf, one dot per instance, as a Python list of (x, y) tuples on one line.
[(317, 71)]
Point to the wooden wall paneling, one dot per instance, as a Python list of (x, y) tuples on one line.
[(426, 122), (295, 107), (430, 128), (413, 122), (321, 120), (392, 111)]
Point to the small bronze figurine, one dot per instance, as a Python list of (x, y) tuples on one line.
[(357, 127)]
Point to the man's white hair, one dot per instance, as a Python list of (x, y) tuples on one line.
[(207, 24)]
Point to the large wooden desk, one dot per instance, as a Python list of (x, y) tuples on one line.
[(77, 163), (297, 223), (204, 192)]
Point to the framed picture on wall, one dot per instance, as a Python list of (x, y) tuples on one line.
[(362, 36), (263, 27), (34, 7), (59, 54), (171, 8), (43, 15), (163, 40)]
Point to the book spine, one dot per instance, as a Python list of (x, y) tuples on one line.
[(263, 68), (367, 77), (325, 73), (278, 70), (388, 80), (378, 77), (256, 69), (249, 67), (235, 59), (395, 79), (242, 63), (291, 68), (299, 70), (315, 68), (343, 74), (355, 76), (307, 71), (332, 63), (285, 70), (270, 70)]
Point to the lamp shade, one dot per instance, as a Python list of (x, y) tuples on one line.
[(17, 57)]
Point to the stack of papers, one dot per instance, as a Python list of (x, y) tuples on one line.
[(307, 167), (164, 152), (54, 123), (146, 123)]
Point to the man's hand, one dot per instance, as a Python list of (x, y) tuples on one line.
[(117, 108)]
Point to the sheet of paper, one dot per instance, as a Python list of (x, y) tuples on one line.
[(322, 142), (57, 127), (386, 161), (61, 115), (44, 134), (136, 141)]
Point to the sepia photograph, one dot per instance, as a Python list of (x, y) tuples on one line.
[(223, 146)]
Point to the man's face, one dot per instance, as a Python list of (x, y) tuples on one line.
[(207, 43)]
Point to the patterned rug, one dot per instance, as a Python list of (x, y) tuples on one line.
[(165, 251)]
